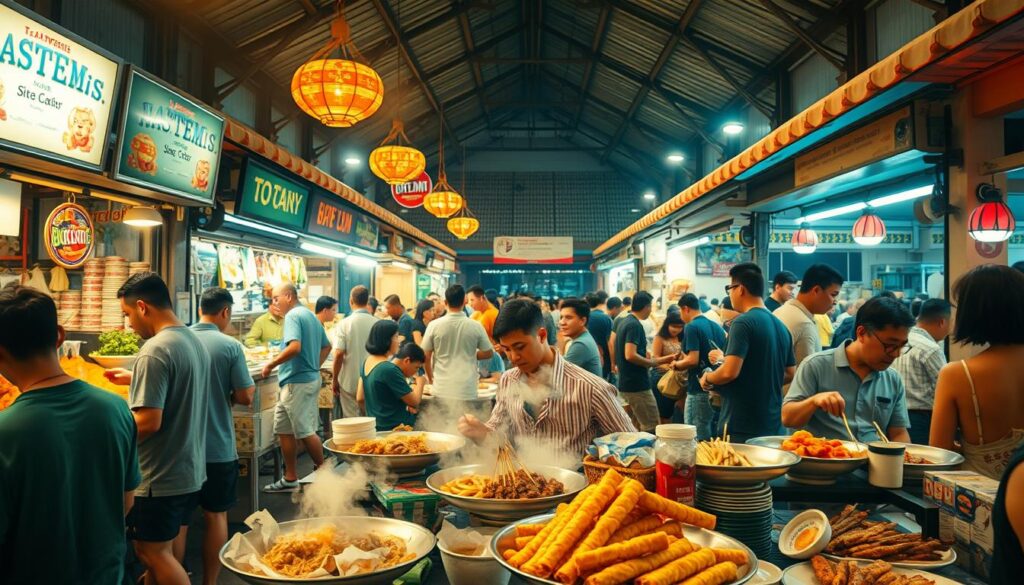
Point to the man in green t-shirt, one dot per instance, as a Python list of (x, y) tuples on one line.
[(68, 464)]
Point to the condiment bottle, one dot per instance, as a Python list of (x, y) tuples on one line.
[(885, 464), (675, 454)]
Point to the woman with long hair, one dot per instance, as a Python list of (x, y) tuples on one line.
[(667, 341), (424, 315)]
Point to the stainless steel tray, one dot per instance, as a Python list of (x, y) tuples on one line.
[(768, 463), (403, 465), (505, 511), (943, 461), (815, 470)]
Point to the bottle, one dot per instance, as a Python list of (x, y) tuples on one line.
[(675, 454)]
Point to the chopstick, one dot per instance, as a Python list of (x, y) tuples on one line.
[(846, 423), (878, 430)]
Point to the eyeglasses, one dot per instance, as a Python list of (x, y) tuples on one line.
[(893, 349), (729, 287)]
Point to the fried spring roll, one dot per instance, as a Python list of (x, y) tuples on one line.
[(641, 526), (608, 555), (734, 555), (654, 503), (626, 571), (823, 569), (679, 569), (531, 549), (717, 575)]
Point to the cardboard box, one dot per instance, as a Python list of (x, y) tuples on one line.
[(982, 535), (940, 487), (945, 526), (409, 500)]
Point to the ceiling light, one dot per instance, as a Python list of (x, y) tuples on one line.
[(908, 195), (634, 210), (352, 161), (263, 228), (853, 207), (992, 221), (805, 240), (650, 196), (401, 265), (361, 261), (322, 250), (142, 216), (732, 128), (695, 242), (869, 229), (675, 158)]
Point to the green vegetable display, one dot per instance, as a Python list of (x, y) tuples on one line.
[(119, 342)]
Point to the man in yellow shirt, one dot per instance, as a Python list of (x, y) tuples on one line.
[(484, 312), (266, 328)]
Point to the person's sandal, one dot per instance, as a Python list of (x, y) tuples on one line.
[(281, 485)]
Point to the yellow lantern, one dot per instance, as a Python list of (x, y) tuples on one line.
[(397, 163), (464, 226), (338, 92), (444, 201)]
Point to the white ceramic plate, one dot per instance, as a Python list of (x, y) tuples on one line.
[(948, 558), (767, 574), (803, 574)]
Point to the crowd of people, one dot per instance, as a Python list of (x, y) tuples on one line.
[(761, 362)]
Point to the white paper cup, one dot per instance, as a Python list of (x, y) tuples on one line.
[(472, 570)]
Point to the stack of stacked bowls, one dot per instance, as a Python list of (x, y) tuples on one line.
[(347, 431)]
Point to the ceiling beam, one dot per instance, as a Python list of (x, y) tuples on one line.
[(596, 47), (724, 74), (269, 37), (410, 59), (819, 48), (470, 47), (296, 31), (652, 76), (307, 6), (478, 51)]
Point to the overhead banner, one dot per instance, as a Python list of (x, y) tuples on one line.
[(167, 142), (411, 194), (57, 90), (878, 140), (530, 250), (270, 197), (333, 220)]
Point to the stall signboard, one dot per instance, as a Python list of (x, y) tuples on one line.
[(656, 250), (532, 250), (415, 252), (268, 196), (437, 264), (57, 91), (331, 219), (168, 142), (718, 259), (423, 285), (844, 239), (69, 235), (411, 194), (880, 139), (449, 265)]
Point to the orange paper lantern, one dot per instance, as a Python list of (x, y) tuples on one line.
[(464, 226), (444, 203), (397, 163)]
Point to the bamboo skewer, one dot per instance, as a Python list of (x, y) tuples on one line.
[(878, 430), (846, 423)]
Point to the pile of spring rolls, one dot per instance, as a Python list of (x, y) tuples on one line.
[(615, 531)]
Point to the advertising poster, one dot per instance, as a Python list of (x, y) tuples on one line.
[(718, 259), (57, 92), (270, 197), (168, 142), (530, 250), (411, 194)]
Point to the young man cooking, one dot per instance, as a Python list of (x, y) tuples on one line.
[(543, 396)]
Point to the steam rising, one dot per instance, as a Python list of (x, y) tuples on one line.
[(338, 491)]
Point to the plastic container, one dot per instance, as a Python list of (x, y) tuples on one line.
[(675, 454), (463, 569), (806, 535), (885, 464)]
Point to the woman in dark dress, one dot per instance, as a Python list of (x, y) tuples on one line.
[(424, 315)]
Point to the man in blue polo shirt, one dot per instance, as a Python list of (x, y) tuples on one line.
[(855, 378)]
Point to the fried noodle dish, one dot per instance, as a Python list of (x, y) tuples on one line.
[(805, 444), (528, 485), (300, 553), (393, 445)]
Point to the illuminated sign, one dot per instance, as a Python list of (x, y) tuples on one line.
[(68, 235)]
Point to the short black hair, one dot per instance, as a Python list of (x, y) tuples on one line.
[(613, 303), (881, 312), (477, 290), (821, 275), (28, 322), (782, 278), (603, 296), (592, 300), (690, 301), (641, 301), (750, 276), (455, 295), (518, 315), (392, 299), (373, 304), (214, 300), (147, 287), (360, 295), (422, 307), (412, 351), (325, 302), (492, 296), (934, 309), (988, 306), (381, 334), (627, 301), (915, 307), (888, 294), (670, 319), (578, 306), (1019, 265)]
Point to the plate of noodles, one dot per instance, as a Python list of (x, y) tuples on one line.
[(353, 550), (404, 452), (478, 490)]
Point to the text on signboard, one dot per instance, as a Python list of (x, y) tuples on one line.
[(269, 194)]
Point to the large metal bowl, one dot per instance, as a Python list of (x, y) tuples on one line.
[(768, 464), (502, 512), (942, 460), (419, 542), (403, 465), (705, 538), (815, 470)]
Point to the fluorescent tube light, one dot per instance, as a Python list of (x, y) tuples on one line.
[(263, 228)]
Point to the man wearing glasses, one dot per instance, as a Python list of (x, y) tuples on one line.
[(855, 378)]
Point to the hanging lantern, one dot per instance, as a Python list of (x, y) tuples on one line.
[(397, 163), (338, 92), (463, 226), (805, 240), (443, 201), (869, 229), (992, 221)]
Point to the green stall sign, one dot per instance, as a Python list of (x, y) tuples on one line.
[(270, 197)]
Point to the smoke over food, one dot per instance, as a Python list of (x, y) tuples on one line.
[(338, 491)]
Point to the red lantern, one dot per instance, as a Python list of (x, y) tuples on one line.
[(869, 230), (992, 221), (805, 240)]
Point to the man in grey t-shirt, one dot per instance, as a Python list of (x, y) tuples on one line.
[(453, 344), (350, 350), (581, 349), (230, 383), (169, 396)]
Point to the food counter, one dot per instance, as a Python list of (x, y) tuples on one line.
[(254, 435)]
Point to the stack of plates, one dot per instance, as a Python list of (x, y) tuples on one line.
[(137, 267), (744, 513), (349, 430), (92, 295), (69, 310), (114, 274)]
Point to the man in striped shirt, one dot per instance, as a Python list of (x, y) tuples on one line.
[(543, 396)]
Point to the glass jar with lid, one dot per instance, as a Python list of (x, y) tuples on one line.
[(675, 454)]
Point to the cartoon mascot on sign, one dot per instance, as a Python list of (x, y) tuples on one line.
[(201, 177), (81, 123), (143, 154), (3, 113)]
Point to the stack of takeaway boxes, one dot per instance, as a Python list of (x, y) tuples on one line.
[(965, 501)]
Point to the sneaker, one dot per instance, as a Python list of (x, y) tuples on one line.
[(281, 485)]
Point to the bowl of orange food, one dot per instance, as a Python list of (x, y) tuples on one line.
[(822, 460)]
